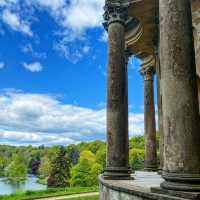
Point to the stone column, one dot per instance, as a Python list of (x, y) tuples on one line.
[(181, 121), (160, 112), (150, 162), (117, 101)]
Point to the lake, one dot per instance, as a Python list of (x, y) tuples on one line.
[(29, 184)]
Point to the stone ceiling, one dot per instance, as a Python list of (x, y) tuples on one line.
[(142, 36)]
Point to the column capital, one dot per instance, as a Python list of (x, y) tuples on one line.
[(147, 68), (115, 12), (148, 73)]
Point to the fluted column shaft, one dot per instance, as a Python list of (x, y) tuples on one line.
[(180, 100), (117, 101), (150, 162)]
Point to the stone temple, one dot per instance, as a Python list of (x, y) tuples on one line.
[(165, 35)]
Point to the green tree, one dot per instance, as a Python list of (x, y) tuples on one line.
[(4, 161), (96, 169), (17, 170), (96, 145), (45, 167), (101, 157), (73, 153), (137, 158), (137, 142), (85, 173), (60, 170)]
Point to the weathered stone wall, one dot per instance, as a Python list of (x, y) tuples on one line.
[(130, 193), (109, 194)]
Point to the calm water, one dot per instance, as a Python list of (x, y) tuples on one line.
[(30, 184)]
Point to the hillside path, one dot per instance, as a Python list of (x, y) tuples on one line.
[(70, 196)]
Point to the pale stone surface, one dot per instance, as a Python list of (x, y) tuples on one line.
[(143, 179), (147, 179), (138, 189)]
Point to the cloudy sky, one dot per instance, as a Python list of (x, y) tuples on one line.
[(53, 73)]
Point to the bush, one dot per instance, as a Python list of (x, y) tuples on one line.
[(137, 159)]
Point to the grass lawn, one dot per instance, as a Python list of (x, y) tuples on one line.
[(85, 198), (30, 195), (42, 181)]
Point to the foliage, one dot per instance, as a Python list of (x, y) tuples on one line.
[(86, 198), (137, 158), (34, 166), (44, 167), (93, 146), (4, 161), (60, 170), (137, 142), (48, 193), (86, 171), (73, 154), (96, 169), (86, 161), (42, 181), (101, 157), (17, 169)]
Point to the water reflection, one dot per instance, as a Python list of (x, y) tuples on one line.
[(6, 187)]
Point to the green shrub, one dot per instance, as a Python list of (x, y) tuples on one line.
[(137, 159)]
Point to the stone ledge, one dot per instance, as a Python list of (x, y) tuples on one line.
[(133, 191), (185, 195)]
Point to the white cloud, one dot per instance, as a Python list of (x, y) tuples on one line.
[(72, 52), (14, 21), (28, 118), (33, 67), (86, 49), (28, 48), (104, 37), (51, 4), (73, 17), (2, 65), (83, 14), (7, 2)]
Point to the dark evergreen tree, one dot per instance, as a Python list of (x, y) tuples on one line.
[(60, 170), (34, 166), (73, 154)]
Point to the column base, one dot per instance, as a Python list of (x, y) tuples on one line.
[(117, 173), (151, 168), (181, 182), (160, 170)]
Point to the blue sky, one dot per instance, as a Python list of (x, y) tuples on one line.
[(53, 73)]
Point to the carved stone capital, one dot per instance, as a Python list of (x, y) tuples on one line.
[(147, 68), (148, 73), (115, 12)]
